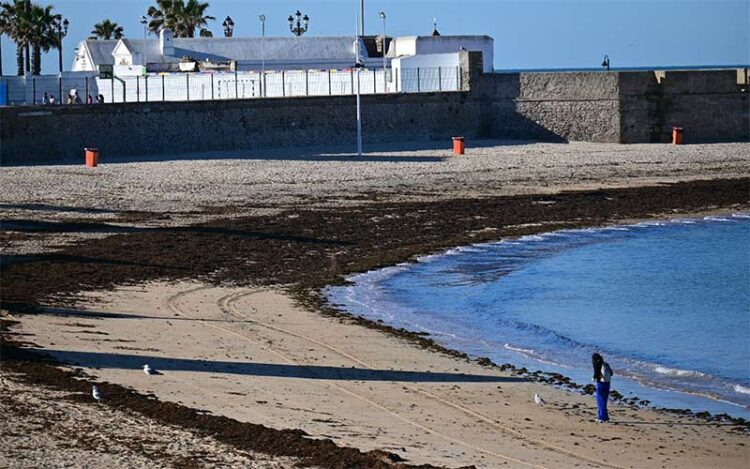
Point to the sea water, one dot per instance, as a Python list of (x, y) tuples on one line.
[(666, 303)]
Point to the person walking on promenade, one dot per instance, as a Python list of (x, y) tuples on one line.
[(602, 378)]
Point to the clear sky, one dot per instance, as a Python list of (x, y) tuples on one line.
[(527, 33)]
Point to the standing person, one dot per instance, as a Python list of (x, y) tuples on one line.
[(90, 100), (602, 378), (77, 99), (45, 99), (52, 99)]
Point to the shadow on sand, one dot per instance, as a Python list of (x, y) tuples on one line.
[(167, 365), (374, 153)]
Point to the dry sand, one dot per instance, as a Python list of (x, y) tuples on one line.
[(252, 355)]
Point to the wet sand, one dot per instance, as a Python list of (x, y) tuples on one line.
[(252, 355)]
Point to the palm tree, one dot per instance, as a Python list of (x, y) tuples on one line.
[(107, 30), (184, 19), (42, 34), (13, 23)]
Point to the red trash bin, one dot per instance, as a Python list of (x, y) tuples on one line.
[(92, 157), (677, 135), (459, 146)]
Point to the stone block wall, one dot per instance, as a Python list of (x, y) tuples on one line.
[(709, 105), (625, 107), (60, 133), (551, 106)]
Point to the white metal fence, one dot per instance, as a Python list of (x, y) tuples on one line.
[(227, 85)]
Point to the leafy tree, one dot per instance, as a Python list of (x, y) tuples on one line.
[(182, 17), (43, 35), (14, 24), (30, 26), (107, 30)]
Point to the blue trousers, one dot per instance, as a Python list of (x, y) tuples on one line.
[(602, 394)]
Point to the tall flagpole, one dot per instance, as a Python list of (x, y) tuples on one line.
[(362, 18), (358, 65)]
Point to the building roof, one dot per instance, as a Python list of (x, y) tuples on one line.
[(336, 48), (101, 50)]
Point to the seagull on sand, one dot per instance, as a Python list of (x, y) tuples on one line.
[(148, 370), (538, 399), (96, 393)]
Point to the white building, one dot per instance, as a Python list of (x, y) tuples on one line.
[(437, 59), (131, 57)]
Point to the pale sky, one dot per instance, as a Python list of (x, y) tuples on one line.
[(528, 34)]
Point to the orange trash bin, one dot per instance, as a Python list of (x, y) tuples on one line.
[(459, 146), (677, 135), (92, 157)]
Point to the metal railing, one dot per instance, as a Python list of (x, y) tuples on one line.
[(31, 90)]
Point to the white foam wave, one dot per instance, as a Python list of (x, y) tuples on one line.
[(648, 224), (716, 219), (741, 389), (524, 351), (663, 370), (744, 216)]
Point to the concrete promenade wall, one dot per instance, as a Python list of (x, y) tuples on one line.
[(54, 133), (622, 107)]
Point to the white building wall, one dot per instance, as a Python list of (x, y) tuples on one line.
[(401, 46), (429, 45), (431, 72), (444, 44), (82, 61)]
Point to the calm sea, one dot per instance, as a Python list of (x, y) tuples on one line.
[(666, 303)]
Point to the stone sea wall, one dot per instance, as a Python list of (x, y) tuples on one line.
[(626, 107)]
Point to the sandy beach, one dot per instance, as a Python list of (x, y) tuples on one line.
[(209, 267)]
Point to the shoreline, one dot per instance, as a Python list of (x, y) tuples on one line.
[(304, 249), (550, 377)]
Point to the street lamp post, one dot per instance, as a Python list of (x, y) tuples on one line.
[(299, 30), (262, 19), (228, 25), (62, 31), (385, 67), (144, 22)]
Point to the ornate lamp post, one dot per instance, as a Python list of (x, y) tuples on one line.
[(262, 19), (228, 27), (62, 30), (299, 30), (605, 62)]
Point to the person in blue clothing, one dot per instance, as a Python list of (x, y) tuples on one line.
[(602, 378)]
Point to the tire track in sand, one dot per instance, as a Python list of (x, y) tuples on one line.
[(230, 301), (226, 305)]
